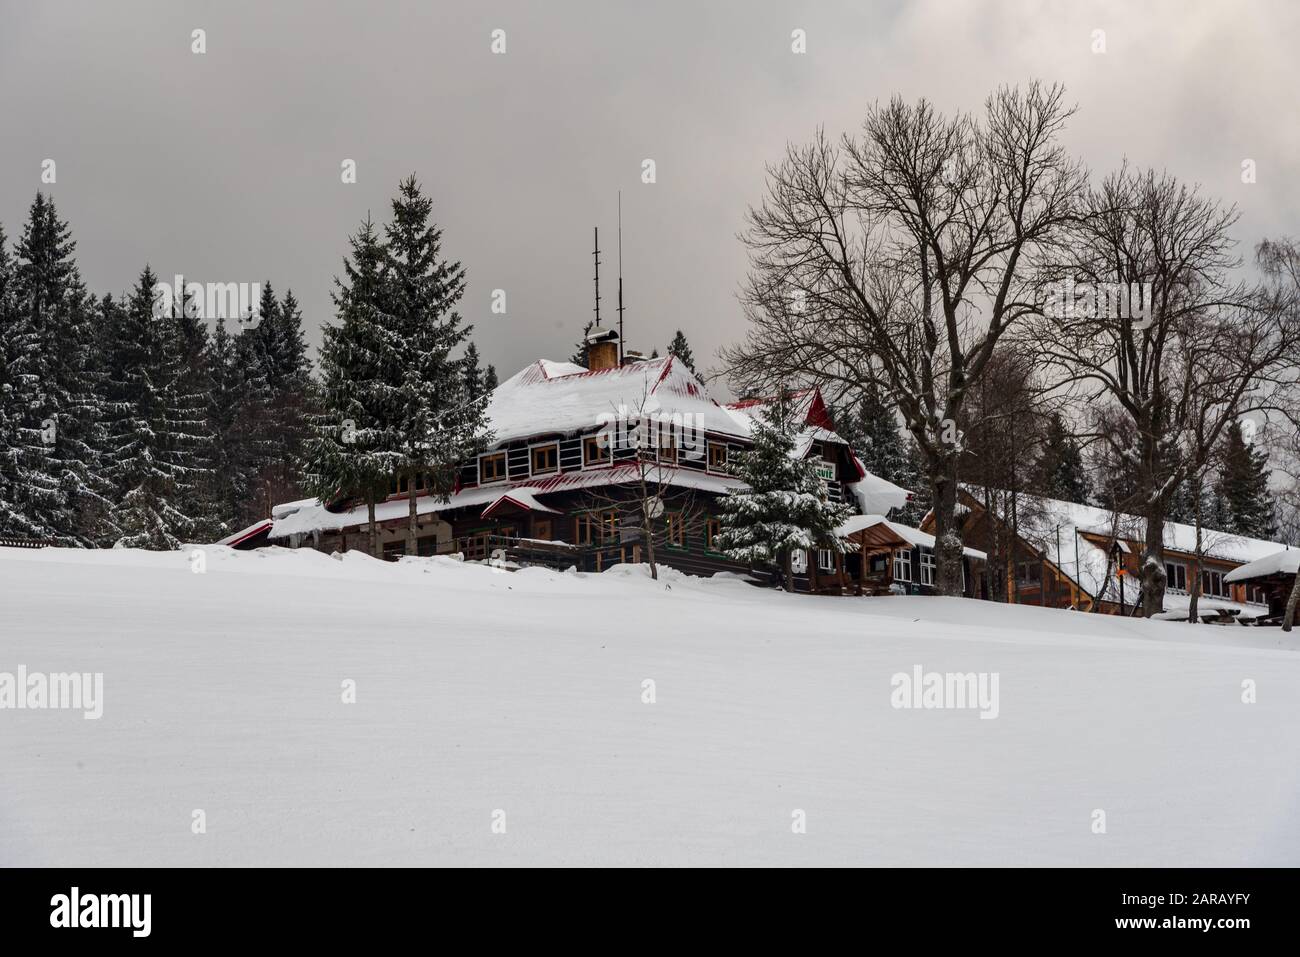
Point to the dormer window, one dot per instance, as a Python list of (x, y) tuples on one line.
[(717, 457), (545, 458), (595, 450), (667, 450), (491, 468)]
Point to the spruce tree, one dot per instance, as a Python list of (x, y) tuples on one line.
[(149, 472), (187, 439), (872, 430), (1059, 472), (440, 426), (288, 365), (291, 392), (42, 270), (579, 357), (680, 348), (474, 388), (227, 494), (1182, 505), (490, 381), (54, 374), (13, 521), (256, 454), (1243, 487), (785, 505), (353, 449), (913, 479)]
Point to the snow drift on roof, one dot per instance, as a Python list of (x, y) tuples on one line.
[(1057, 529), (523, 496), (1043, 515), (876, 495), (244, 533), (558, 397), (913, 536), (1284, 562)]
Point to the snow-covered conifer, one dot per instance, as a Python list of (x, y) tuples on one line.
[(785, 505)]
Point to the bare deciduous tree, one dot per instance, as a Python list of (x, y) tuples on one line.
[(1206, 349), (901, 256)]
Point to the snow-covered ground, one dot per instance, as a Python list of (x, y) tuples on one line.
[(480, 691)]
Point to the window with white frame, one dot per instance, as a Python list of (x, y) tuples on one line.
[(491, 468), (903, 565), (544, 458), (595, 450), (825, 559), (927, 566), (1212, 583), (1176, 576)]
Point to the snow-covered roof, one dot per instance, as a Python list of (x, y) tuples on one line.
[(548, 398), (1058, 530), (1177, 605), (523, 497), (1044, 514), (913, 536), (875, 495), (558, 397), (312, 516), (246, 533), (1284, 562), (288, 508), (806, 407)]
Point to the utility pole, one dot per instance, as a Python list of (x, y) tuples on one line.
[(595, 254), (620, 278)]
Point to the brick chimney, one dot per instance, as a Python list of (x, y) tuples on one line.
[(602, 349)]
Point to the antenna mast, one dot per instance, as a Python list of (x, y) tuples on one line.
[(595, 254), (620, 277)]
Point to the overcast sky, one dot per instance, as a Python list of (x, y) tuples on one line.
[(226, 166)]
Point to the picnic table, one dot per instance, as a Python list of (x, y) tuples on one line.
[(1220, 616)]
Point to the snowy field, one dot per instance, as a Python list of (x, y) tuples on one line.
[(480, 691)]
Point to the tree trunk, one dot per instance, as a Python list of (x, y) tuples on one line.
[(1291, 602), (788, 561), (1013, 566), (374, 532), (647, 530), (412, 524), (1194, 591), (1152, 573), (947, 544), (997, 555)]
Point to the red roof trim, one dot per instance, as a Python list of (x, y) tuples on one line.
[(818, 414), (254, 530), (509, 499)]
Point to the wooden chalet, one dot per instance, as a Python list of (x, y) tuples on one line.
[(1270, 578), (563, 483), (892, 558), (1067, 555)]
